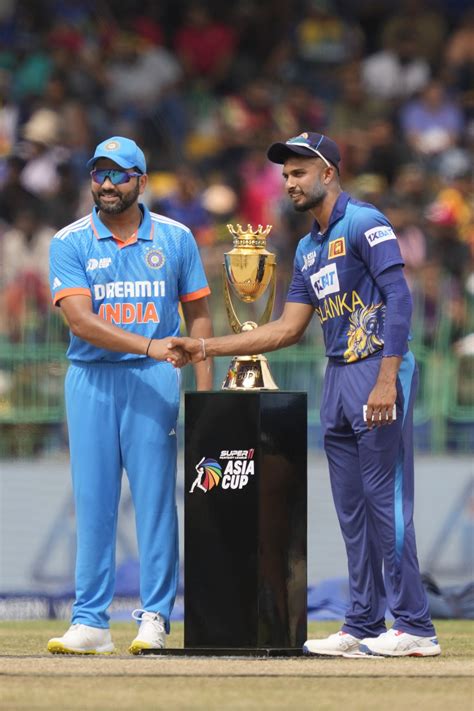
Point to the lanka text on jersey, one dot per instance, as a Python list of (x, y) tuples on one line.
[(336, 271), (136, 285)]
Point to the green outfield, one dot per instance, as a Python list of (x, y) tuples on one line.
[(32, 679)]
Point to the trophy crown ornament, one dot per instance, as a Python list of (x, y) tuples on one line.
[(250, 238)]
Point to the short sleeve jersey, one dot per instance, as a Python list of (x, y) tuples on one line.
[(136, 285), (336, 271)]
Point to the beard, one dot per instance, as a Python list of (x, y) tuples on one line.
[(123, 203), (315, 198)]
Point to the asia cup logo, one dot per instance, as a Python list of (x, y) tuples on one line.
[(155, 258), (209, 474), (238, 470)]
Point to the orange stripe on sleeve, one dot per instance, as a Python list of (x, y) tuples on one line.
[(194, 295), (70, 292)]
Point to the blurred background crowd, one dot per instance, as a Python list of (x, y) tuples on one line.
[(204, 88)]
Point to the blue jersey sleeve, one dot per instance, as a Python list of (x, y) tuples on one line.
[(297, 291), (373, 238), (192, 282), (67, 275)]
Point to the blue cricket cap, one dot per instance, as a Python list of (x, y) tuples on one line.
[(122, 151), (306, 144)]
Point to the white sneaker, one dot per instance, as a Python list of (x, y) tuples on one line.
[(340, 644), (151, 634), (82, 639), (396, 643)]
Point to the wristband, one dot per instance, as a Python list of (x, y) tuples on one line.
[(148, 346), (203, 346)]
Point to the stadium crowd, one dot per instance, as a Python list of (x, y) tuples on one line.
[(205, 87)]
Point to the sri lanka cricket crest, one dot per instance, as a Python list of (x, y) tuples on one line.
[(363, 336)]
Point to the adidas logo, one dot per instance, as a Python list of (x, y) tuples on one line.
[(56, 283), (172, 432)]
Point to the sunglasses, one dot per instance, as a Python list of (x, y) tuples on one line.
[(116, 177), (301, 141)]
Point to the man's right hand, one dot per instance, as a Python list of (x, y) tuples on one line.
[(192, 346)]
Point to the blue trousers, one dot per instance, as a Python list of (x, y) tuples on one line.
[(372, 481), (123, 416)]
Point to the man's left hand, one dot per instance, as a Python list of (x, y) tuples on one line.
[(380, 405)]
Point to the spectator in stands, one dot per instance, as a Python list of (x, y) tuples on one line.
[(261, 190), (9, 114), (323, 40), (42, 152), (458, 61), (427, 24), (245, 119), (396, 72), (385, 152), (63, 205), (446, 245), (454, 198), (412, 185), (432, 122), (14, 197), (185, 204), (298, 107), (24, 292), (142, 87), (351, 112), (411, 238), (205, 47)]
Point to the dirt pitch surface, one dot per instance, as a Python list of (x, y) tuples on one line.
[(32, 680), (169, 666)]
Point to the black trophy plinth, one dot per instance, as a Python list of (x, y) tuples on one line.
[(245, 523)]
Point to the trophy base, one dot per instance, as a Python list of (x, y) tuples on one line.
[(249, 373)]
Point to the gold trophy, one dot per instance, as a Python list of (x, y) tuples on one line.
[(249, 269)]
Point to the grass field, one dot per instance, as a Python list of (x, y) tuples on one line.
[(32, 679)]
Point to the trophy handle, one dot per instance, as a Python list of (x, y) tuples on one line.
[(234, 322), (265, 317)]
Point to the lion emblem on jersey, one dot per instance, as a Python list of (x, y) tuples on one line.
[(363, 335)]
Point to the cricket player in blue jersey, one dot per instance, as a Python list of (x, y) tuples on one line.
[(348, 270), (119, 276)]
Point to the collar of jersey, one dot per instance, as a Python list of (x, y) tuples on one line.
[(103, 232), (338, 211)]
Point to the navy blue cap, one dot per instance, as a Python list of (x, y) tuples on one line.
[(122, 151), (306, 144)]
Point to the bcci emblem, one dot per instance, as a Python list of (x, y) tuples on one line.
[(155, 258), (112, 146), (209, 474)]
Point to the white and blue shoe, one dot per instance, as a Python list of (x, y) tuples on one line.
[(340, 644), (396, 643)]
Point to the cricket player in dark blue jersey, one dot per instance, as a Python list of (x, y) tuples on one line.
[(120, 275), (348, 270)]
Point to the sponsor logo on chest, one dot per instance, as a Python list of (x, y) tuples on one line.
[(326, 281), (103, 263)]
